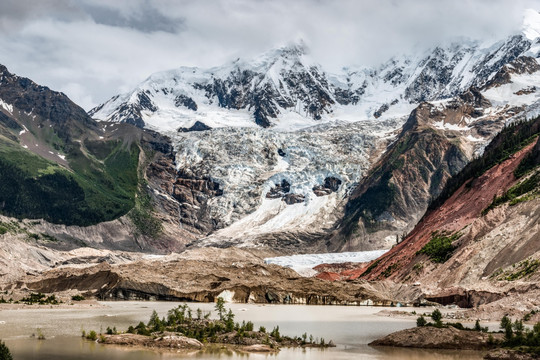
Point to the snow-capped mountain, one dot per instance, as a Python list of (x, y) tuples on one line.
[(268, 151), (285, 88)]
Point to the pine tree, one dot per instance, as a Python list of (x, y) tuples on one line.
[(4, 352)]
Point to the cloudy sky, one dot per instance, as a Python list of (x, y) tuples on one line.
[(94, 49)]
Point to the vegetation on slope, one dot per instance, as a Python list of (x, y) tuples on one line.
[(525, 190), (92, 192), (509, 141), (440, 248)]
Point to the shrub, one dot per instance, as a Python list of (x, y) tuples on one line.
[(92, 335), (5, 354), (436, 315), (275, 334), (440, 248), (477, 326), (421, 321), (77, 298)]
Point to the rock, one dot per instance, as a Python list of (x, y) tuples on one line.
[(506, 354), (291, 199), (438, 338), (198, 126), (331, 184), (279, 190), (183, 100), (165, 340), (259, 348)]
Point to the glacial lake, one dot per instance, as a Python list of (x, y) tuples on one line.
[(351, 329)]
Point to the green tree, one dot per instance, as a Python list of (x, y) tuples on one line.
[(421, 321), (505, 321), (477, 326), (229, 321), (4, 352), (220, 308), (437, 317)]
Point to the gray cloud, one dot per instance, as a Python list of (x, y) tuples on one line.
[(145, 18), (94, 49)]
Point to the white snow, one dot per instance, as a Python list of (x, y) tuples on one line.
[(531, 24), (505, 95), (304, 263), (388, 84), (246, 164), (63, 157), (25, 129), (6, 106)]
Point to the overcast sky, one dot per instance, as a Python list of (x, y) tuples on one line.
[(94, 49)]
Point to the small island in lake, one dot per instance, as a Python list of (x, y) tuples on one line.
[(513, 342), (183, 329)]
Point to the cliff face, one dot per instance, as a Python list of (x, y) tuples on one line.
[(479, 242), (431, 148)]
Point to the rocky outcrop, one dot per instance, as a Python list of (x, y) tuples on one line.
[(279, 190), (428, 337), (198, 126), (459, 211), (521, 65), (331, 184), (508, 354), (166, 340), (183, 196), (203, 275)]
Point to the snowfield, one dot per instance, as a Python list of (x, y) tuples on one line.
[(304, 264)]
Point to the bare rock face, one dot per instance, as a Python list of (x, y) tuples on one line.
[(279, 191), (202, 275), (183, 195), (506, 354), (331, 184), (291, 199), (521, 65), (165, 340)]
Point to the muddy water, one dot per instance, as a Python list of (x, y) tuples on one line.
[(351, 328)]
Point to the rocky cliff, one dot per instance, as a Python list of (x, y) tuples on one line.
[(479, 242)]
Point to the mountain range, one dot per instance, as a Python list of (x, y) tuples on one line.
[(277, 154)]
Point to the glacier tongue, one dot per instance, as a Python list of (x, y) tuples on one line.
[(304, 264), (249, 164)]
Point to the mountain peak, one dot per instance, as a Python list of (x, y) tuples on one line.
[(296, 48), (531, 24)]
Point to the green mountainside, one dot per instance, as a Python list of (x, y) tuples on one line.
[(58, 164)]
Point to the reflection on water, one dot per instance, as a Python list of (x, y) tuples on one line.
[(351, 328)]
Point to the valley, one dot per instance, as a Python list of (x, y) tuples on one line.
[(272, 182)]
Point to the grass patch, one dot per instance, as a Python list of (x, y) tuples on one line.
[(32, 187), (440, 248), (519, 270), (143, 216), (514, 195)]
